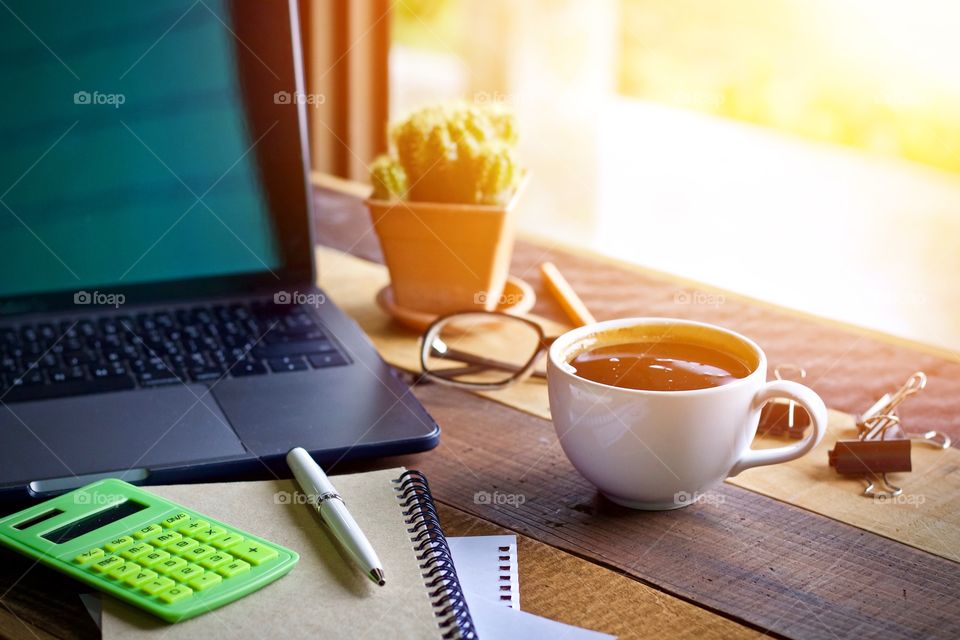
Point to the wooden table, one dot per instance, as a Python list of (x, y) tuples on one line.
[(752, 566)]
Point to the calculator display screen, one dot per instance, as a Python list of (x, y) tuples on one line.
[(94, 521)]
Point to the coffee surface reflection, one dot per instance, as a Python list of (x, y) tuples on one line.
[(660, 366)]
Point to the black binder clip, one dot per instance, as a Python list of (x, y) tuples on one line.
[(882, 446), (781, 417)]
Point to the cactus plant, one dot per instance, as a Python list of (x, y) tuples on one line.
[(444, 203), (455, 153), (388, 178)]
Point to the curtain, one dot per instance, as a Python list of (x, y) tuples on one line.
[(346, 47)]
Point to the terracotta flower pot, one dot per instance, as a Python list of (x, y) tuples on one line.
[(446, 257)]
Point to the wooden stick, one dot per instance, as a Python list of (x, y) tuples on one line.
[(564, 294)]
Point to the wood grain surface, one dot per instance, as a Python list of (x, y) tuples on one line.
[(756, 560), (37, 602), (777, 566), (563, 587), (925, 516)]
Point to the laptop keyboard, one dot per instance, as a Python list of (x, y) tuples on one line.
[(196, 344)]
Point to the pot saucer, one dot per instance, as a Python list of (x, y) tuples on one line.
[(517, 299)]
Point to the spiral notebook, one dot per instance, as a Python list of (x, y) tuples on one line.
[(324, 596)]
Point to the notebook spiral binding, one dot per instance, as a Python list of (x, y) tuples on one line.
[(433, 553)]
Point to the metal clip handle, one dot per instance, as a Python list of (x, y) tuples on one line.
[(936, 439), (890, 401), (887, 489)]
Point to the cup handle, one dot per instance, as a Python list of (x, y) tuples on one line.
[(806, 398)]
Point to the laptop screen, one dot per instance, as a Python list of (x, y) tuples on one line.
[(138, 141)]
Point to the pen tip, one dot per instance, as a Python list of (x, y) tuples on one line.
[(377, 576)]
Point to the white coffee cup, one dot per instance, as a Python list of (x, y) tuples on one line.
[(661, 449)]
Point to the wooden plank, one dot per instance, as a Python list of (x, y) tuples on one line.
[(563, 587), (11, 626), (37, 602), (757, 560)]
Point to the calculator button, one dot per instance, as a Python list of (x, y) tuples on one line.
[(168, 538), (207, 580), (227, 541), (107, 564), (141, 577), (176, 594), (255, 553), (193, 526), (180, 547), (157, 585), (199, 553), (152, 558), (137, 550), (148, 532), (188, 572), (124, 571), (217, 559), (234, 568), (170, 564), (118, 543), (209, 534), (176, 520), (87, 556)]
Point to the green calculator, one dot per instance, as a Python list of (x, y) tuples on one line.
[(145, 550)]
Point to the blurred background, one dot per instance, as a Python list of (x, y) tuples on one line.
[(804, 152)]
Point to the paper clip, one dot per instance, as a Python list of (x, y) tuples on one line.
[(782, 417)]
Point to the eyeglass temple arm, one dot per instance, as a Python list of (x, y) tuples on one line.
[(459, 371), (448, 374), (469, 358)]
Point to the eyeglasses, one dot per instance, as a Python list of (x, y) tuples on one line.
[(482, 350)]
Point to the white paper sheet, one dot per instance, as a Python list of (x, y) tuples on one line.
[(487, 567), (496, 622)]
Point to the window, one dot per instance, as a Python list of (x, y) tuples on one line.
[(805, 152)]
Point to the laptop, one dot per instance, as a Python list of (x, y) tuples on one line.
[(159, 319)]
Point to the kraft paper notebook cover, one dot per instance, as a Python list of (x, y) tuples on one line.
[(324, 596)]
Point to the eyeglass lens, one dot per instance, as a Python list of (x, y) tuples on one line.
[(481, 348)]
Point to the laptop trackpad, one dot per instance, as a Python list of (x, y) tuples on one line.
[(115, 432)]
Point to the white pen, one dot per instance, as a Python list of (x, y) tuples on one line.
[(334, 514)]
